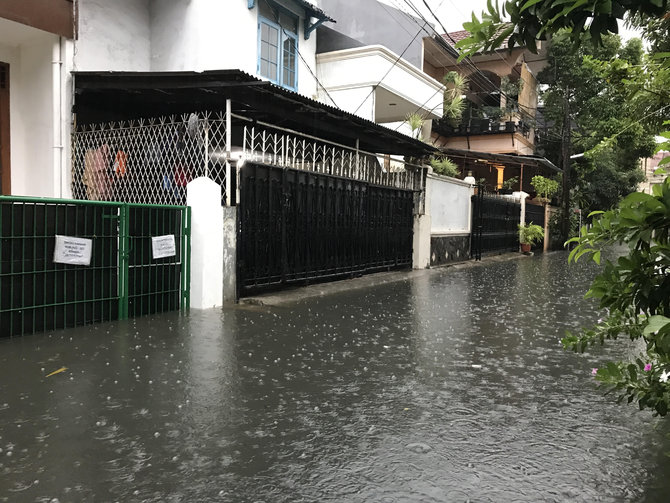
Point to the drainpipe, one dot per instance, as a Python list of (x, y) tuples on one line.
[(57, 116)]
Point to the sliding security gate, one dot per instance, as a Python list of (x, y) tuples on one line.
[(299, 226), (495, 221), (124, 277)]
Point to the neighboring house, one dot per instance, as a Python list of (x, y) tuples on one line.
[(370, 64), (649, 166), (501, 101)]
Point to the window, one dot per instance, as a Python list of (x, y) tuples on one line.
[(277, 45)]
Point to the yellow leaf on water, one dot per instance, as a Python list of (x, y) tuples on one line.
[(62, 369)]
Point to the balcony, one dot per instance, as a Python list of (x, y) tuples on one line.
[(477, 126)]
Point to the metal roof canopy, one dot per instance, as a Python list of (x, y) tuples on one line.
[(525, 160), (115, 96)]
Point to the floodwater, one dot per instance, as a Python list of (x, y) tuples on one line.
[(448, 387)]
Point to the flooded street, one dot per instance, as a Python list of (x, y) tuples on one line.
[(448, 387)]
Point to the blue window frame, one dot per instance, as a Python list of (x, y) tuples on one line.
[(278, 50)]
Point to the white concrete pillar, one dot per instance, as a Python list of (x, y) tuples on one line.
[(204, 197), (421, 238)]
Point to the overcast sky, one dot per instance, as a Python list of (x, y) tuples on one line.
[(453, 13)]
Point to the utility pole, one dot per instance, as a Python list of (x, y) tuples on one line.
[(565, 156)]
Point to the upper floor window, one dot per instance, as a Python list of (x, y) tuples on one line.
[(277, 45)]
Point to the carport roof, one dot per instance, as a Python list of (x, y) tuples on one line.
[(509, 159), (114, 96)]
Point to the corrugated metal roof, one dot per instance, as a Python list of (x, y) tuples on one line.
[(113, 96), (514, 159)]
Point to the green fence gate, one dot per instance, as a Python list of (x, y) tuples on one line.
[(123, 279)]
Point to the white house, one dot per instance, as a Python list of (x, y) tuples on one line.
[(370, 64), (41, 43)]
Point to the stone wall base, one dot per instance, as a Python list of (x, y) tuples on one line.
[(449, 248)]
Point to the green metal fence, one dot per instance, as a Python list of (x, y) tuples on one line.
[(123, 279)]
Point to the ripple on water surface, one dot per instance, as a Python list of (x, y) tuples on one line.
[(451, 386)]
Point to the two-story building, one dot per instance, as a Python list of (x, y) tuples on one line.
[(71, 55), (499, 117)]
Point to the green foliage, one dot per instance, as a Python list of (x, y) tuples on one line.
[(511, 90), (556, 232), (511, 183), (545, 187), (444, 166), (530, 234), (533, 20), (493, 113), (454, 101), (635, 291), (415, 122), (608, 102)]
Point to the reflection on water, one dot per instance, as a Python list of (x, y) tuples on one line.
[(448, 387)]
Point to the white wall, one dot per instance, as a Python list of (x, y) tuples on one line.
[(31, 113), (176, 35), (358, 100), (449, 204), (113, 35)]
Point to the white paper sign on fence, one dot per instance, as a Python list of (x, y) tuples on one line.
[(163, 246), (74, 251)]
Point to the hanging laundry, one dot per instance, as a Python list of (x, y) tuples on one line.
[(120, 163), (95, 178)]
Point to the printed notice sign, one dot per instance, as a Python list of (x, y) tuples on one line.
[(163, 246), (71, 250)]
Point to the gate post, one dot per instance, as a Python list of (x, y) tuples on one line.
[(124, 262), (422, 225), (204, 197)]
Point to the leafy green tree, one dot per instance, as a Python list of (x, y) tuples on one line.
[(587, 101), (533, 20), (635, 291)]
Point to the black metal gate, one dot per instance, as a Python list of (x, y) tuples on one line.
[(299, 226), (535, 214), (495, 221)]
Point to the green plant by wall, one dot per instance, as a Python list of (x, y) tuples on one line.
[(444, 166), (530, 234), (511, 183), (545, 187), (454, 102), (415, 122)]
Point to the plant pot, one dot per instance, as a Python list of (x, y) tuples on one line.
[(525, 247)]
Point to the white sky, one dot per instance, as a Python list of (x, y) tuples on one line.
[(453, 13)]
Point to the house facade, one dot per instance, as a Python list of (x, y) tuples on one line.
[(41, 46), (370, 64)]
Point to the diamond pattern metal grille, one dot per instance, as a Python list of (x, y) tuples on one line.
[(147, 161), (151, 161)]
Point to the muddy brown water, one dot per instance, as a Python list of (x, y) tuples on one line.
[(449, 387)]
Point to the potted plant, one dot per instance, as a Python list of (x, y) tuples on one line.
[(444, 166), (511, 90), (529, 234), (509, 185), (544, 187)]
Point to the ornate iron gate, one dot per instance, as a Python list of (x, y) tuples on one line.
[(299, 226), (123, 278), (495, 222)]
